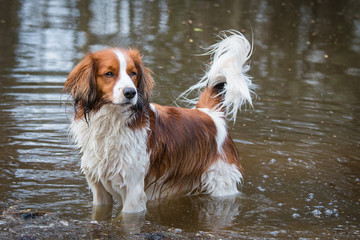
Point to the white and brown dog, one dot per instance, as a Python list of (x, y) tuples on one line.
[(135, 150)]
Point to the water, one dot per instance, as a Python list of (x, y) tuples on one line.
[(299, 145)]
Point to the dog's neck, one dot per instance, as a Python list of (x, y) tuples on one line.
[(118, 115)]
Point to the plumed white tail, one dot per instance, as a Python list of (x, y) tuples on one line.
[(229, 57)]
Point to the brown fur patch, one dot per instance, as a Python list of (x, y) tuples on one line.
[(182, 145), (210, 98)]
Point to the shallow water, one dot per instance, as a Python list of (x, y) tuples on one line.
[(299, 145)]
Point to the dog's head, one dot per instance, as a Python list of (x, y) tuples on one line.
[(112, 76)]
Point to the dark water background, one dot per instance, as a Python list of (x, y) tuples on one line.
[(300, 145)]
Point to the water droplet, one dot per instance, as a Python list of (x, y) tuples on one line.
[(311, 197), (328, 212), (317, 213), (272, 161)]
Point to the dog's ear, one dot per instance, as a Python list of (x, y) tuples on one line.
[(81, 84), (145, 82)]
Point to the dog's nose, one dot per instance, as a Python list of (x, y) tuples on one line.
[(129, 93)]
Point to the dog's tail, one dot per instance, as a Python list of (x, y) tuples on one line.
[(226, 86)]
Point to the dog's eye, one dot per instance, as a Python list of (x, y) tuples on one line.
[(132, 74), (109, 74)]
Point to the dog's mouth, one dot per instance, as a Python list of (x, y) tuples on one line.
[(126, 103)]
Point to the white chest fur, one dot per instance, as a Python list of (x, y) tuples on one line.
[(114, 156)]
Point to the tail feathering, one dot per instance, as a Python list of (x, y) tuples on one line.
[(229, 57)]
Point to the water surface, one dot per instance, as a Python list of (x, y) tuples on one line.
[(299, 145)]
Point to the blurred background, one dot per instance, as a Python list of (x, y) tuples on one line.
[(299, 145)]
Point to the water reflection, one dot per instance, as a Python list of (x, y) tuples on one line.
[(43, 42), (197, 213), (190, 213), (299, 145)]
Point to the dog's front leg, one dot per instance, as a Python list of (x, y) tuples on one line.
[(135, 200), (101, 197)]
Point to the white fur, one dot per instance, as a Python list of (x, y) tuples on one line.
[(220, 123), (221, 179), (124, 81), (115, 160), (229, 58), (152, 107)]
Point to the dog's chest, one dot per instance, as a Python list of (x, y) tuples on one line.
[(111, 150)]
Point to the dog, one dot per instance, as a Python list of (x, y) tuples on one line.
[(135, 150)]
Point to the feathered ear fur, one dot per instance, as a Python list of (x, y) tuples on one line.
[(145, 82), (81, 85)]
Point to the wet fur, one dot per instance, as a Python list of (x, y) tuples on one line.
[(148, 151)]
